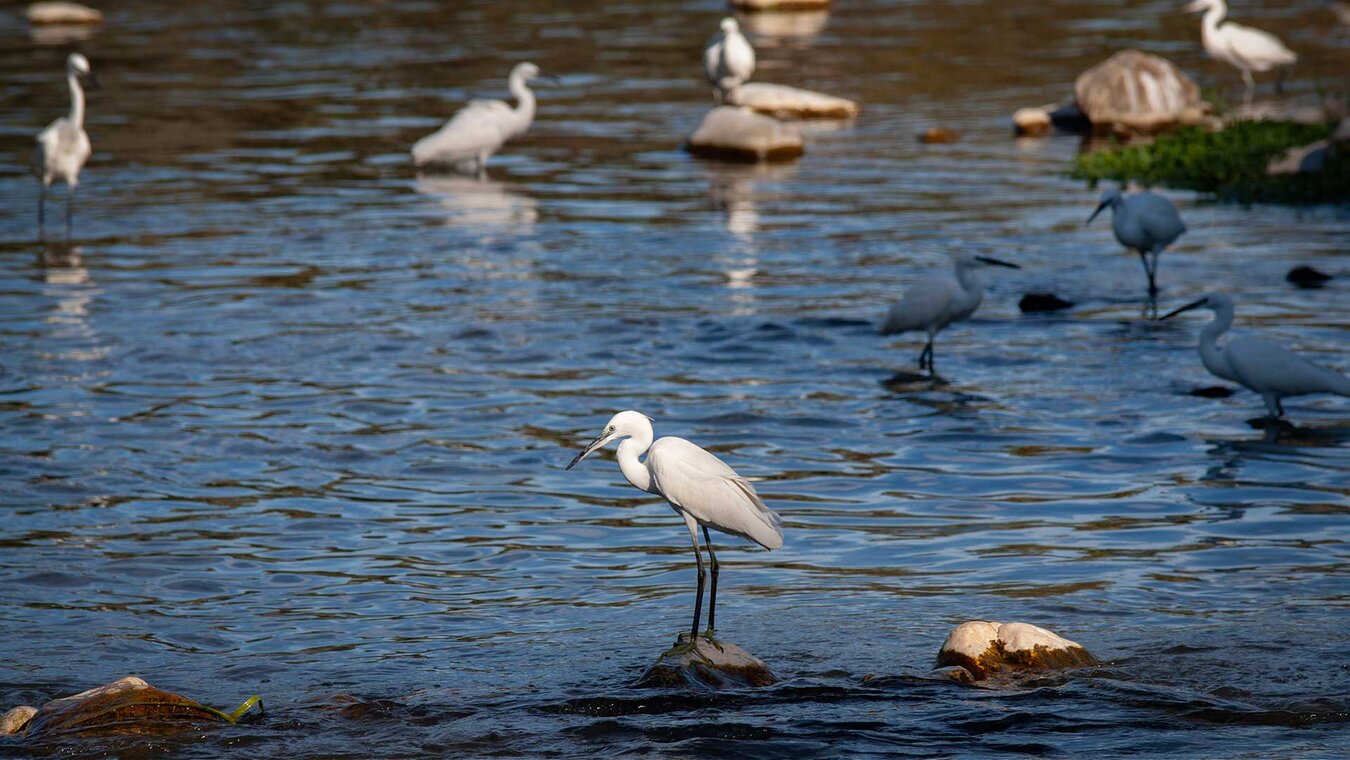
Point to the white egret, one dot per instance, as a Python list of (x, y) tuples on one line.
[(938, 299), (63, 147), (1241, 47), (728, 58), (481, 128), (1145, 223), (1259, 365), (700, 488)]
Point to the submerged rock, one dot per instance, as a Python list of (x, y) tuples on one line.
[(14, 721), (939, 135), (126, 706), (63, 13), (709, 664), (780, 5), (987, 649), (1032, 122), (740, 134), (1210, 391), (783, 102), (1138, 92), (1305, 276), (1034, 303)]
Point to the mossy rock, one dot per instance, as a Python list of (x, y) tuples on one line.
[(126, 706), (707, 663), (1230, 164), (986, 649)]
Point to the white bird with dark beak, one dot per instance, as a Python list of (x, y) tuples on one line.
[(938, 299), (1146, 223), (1241, 47), (481, 128), (63, 147), (701, 488), (1267, 368), (728, 58)]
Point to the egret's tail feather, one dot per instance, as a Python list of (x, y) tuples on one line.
[(766, 527)]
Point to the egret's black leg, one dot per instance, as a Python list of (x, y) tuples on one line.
[(1148, 271), (698, 599), (1279, 407), (712, 595), (70, 210), (926, 356), (42, 211)]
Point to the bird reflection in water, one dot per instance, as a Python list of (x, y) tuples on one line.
[(733, 189), (480, 204)]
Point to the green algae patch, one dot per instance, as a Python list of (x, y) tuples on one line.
[(1230, 164)]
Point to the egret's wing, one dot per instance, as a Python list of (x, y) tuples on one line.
[(738, 58), (1266, 366), (1259, 50), (1160, 219), (712, 58), (705, 487), (923, 304), (481, 126)]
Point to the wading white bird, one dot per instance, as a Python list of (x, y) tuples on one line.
[(1241, 47), (63, 147), (481, 128), (728, 58), (1259, 365), (1145, 223), (938, 299), (700, 488)]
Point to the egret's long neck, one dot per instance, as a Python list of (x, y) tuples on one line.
[(1213, 17), (1209, 338), (76, 99), (965, 274), (633, 469), (524, 103)]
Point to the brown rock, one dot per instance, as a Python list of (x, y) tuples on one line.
[(1138, 92), (63, 13), (936, 135), (128, 706), (14, 721), (740, 134), (1031, 122), (987, 649), (708, 664)]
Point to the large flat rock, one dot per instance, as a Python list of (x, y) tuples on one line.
[(63, 13), (126, 706), (740, 134), (707, 664), (1138, 92), (783, 102), (780, 5), (987, 649)]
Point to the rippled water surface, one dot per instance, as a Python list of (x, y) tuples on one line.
[(284, 418)]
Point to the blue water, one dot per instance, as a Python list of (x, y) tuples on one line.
[(284, 418)]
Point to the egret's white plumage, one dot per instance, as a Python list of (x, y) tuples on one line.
[(1259, 365), (1241, 47), (728, 58), (1146, 223), (701, 488), (63, 147), (939, 298), (481, 128)]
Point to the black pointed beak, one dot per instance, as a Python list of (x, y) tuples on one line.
[(1100, 206), (1187, 307), (551, 78), (590, 447), (997, 262), (91, 81)]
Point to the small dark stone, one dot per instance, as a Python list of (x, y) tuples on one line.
[(1211, 391), (1034, 303), (1306, 277), (938, 135)]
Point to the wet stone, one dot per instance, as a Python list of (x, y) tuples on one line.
[(1134, 91), (706, 664), (1211, 391), (986, 649), (1305, 276), (939, 136), (126, 706), (1037, 303), (740, 134), (14, 721), (783, 102)]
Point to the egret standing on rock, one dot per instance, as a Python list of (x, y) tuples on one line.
[(480, 129), (63, 147), (1242, 47), (1146, 223), (728, 58), (938, 299), (697, 485), (1259, 365)]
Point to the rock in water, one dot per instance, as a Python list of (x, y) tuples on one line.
[(783, 102), (63, 13), (987, 649), (1033, 303), (1137, 92), (707, 664), (1305, 276), (128, 706), (14, 721), (780, 5), (1031, 122), (740, 134), (939, 136)]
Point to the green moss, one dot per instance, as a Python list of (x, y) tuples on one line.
[(1229, 164)]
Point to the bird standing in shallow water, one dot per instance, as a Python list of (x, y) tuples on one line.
[(1146, 223), (1241, 47), (1259, 365), (938, 299), (728, 58), (63, 147), (481, 128), (700, 488)]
